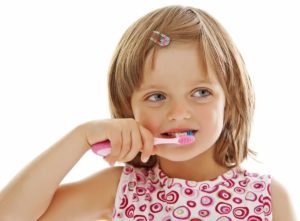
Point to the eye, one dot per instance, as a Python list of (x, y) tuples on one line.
[(201, 92), (155, 97)]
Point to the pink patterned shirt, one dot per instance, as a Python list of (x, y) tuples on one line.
[(148, 194)]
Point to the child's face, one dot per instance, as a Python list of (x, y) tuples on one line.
[(176, 96)]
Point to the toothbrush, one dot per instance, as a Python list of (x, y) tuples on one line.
[(104, 148)]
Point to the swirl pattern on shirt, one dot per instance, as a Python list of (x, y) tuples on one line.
[(149, 194)]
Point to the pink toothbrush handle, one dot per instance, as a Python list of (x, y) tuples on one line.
[(102, 148)]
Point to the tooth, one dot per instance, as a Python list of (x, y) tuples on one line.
[(178, 134), (181, 134)]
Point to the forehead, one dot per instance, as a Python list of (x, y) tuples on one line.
[(178, 61)]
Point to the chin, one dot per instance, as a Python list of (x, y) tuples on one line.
[(180, 154)]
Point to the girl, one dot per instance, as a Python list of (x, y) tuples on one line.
[(175, 72)]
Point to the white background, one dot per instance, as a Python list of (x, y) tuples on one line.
[(54, 57)]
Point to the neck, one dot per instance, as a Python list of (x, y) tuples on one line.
[(200, 168)]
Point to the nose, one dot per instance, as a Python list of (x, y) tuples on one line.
[(179, 110)]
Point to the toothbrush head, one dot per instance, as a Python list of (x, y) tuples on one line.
[(186, 139)]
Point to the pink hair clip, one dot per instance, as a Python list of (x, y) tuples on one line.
[(160, 39)]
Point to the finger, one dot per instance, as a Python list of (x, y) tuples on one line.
[(126, 144), (136, 143), (137, 140), (110, 160), (148, 140), (116, 144)]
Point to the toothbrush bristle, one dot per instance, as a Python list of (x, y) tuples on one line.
[(189, 133), (186, 139)]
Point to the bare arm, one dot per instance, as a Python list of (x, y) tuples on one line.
[(90, 199), (35, 193), (28, 195), (282, 207)]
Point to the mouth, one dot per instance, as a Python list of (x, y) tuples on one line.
[(174, 134)]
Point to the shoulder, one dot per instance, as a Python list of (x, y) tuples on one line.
[(93, 196), (282, 208), (104, 183), (111, 173), (99, 191), (108, 178)]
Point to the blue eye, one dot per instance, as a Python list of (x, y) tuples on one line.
[(201, 93), (156, 97)]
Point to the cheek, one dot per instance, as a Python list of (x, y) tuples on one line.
[(212, 122), (148, 119)]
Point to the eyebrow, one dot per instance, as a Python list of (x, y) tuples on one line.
[(152, 86)]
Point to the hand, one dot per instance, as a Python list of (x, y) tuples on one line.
[(127, 138)]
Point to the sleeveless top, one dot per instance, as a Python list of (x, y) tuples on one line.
[(149, 194)]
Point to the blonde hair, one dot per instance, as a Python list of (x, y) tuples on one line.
[(184, 24)]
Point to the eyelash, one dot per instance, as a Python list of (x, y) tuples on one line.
[(158, 93)]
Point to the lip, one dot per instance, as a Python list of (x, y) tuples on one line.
[(179, 130)]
